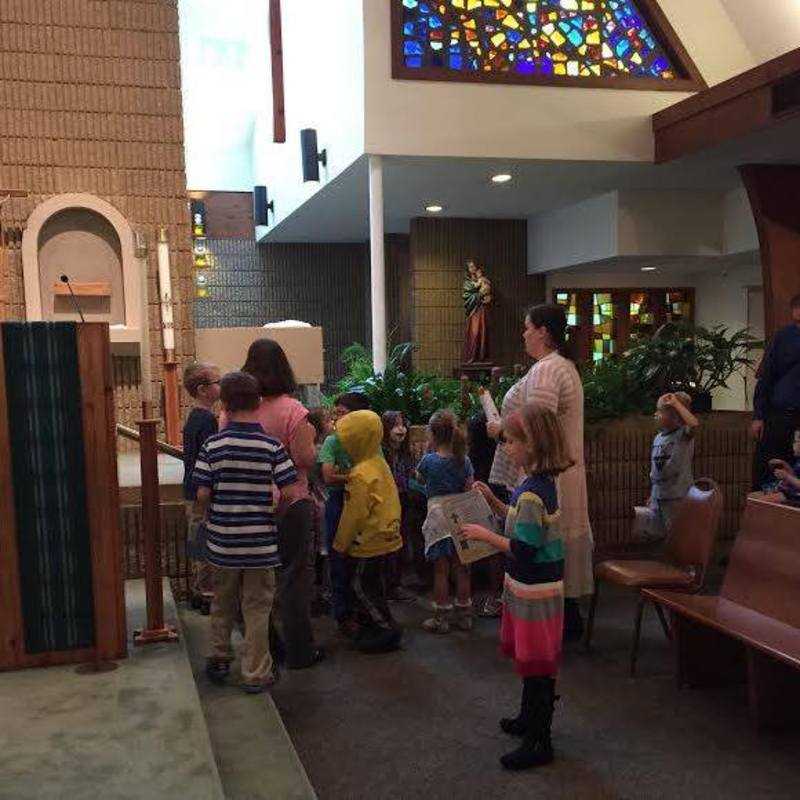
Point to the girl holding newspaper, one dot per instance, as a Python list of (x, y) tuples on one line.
[(445, 470)]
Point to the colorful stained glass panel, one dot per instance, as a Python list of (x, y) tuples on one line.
[(546, 38)]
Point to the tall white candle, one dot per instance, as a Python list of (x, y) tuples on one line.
[(165, 289), (144, 349)]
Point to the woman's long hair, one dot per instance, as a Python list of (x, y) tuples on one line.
[(446, 433), (390, 420), (553, 318), (268, 364)]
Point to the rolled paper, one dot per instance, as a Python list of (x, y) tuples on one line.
[(165, 290), (490, 409)]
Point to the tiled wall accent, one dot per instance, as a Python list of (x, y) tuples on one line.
[(90, 101), (440, 249), (317, 283)]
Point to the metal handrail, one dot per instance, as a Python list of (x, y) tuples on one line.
[(163, 447)]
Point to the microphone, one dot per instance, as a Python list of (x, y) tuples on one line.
[(65, 279)]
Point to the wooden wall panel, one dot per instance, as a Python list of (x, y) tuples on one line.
[(440, 249), (90, 101), (399, 289), (774, 192)]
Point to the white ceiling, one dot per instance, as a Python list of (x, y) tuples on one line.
[(339, 211)]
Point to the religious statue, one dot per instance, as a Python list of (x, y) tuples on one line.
[(477, 299)]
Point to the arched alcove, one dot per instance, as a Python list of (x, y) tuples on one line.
[(84, 246), (88, 240)]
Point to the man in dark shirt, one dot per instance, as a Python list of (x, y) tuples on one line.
[(776, 414)]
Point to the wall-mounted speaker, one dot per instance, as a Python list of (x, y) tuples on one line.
[(261, 205), (312, 158)]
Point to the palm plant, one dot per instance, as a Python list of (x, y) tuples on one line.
[(691, 358)]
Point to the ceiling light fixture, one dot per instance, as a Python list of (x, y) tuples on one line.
[(503, 177), (434, 209), (649, 269)]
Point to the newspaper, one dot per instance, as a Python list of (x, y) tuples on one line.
[(446, 516), (489, 407)]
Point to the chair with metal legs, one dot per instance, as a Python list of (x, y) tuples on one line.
[(682, 568)]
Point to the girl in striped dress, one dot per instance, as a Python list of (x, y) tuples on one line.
[(533, 596)]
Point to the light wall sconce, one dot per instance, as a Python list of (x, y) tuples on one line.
[(262, 205), (312, 157)]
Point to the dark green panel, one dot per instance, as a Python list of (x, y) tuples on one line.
[(47, 460)]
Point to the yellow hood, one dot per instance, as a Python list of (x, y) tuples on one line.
[(361, 435)]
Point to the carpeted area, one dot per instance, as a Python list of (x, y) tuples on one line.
[(422, 723)]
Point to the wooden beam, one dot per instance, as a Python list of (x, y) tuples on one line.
[(102, 490), (774, 192), (278, 90), (746, 103), (11, 630)]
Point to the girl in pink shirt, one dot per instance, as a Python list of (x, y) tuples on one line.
[(286, 419)]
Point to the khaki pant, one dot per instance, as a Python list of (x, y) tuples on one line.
[(254, 591), (200, 582)]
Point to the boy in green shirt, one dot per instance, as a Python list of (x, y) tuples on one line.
[(335, 464)]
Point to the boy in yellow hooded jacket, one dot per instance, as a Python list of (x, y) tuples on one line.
[(369, 530)]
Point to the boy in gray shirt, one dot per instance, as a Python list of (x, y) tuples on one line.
[(671, 473)]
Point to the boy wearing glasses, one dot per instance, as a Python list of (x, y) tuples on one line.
[(201, 381)]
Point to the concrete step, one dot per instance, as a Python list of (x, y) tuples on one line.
[(254, 754)]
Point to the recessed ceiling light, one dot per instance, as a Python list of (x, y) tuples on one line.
[(503, 177), (433, 209), (649, 269)]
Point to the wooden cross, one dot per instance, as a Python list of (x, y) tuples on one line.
[(276, 49)]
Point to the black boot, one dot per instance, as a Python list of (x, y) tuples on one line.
[(517, 726), (536, 749)]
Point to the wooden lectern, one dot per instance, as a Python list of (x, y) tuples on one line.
[(61, 584)]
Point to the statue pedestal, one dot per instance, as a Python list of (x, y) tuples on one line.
[(477, 371)]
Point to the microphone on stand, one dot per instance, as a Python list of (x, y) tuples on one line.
[(65, 279)]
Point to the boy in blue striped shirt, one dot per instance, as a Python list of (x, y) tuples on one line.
[(240, 474)]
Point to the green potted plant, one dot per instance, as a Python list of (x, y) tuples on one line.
[(691, 358)]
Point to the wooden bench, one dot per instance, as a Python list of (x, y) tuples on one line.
[(751, 631)]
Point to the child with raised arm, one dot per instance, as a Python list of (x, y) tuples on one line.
[(533, 597), (671, 472), (446, 470)]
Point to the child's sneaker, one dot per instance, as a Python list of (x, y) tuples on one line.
[(439, 622), (464, 616)]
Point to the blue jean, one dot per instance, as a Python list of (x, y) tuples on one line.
[(340, 601)]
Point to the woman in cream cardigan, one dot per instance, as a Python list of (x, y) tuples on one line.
[(553, 381)]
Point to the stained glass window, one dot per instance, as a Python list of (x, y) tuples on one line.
[(533, 38), (642, 318), (679, 307), (598, 322), (603, 326), (570, 302)]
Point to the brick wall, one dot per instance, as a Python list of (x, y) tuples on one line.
[(440, 249), (323, 284), (90, 101)]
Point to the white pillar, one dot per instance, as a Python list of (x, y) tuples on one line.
[(377, 263)]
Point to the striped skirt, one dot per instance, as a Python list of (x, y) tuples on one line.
[(532, 626)]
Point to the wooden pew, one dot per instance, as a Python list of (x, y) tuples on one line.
[(751, 631)]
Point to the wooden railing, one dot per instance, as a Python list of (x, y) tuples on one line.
[(174, 560)]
